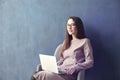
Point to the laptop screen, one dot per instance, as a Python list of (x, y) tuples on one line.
[(48, 63)]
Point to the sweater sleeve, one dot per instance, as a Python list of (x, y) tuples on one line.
[(88, 52), (59, 62)]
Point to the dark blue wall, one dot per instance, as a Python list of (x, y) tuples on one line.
[(30, 27)]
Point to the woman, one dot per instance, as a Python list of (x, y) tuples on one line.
[(76, 53)]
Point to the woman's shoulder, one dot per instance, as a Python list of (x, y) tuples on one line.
[(85, 39)]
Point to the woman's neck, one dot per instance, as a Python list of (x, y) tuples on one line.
[(74, 37)]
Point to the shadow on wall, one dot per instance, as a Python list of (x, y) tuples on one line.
[(104, 68)]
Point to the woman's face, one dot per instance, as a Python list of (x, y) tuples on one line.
[(71, 27)]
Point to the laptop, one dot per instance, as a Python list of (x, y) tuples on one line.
[(48, 63)]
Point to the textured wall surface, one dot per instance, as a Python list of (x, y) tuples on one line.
[(30, 27)]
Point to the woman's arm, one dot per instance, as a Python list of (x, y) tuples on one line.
[(59, 62), (88, 52)]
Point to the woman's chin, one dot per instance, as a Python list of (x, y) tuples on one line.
[(70, 33)]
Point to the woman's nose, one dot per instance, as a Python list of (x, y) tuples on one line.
[(70, 27)]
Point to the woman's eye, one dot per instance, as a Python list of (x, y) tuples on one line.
[(70, 24)]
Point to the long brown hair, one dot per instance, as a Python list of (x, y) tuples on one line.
[(80, 33)]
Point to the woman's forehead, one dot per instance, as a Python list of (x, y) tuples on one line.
[(70, 21)]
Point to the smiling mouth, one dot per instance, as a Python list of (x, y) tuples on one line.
[(70, 31)]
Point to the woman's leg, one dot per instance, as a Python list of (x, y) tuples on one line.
[(39, 68), (46, 75), (32, 77)]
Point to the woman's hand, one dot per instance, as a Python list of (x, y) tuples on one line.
[(70, 70)]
